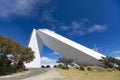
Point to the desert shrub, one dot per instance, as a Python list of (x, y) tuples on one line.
[(61, 66), (111, 69), (48, 66), (42, 66), (66, 62), (76, 67), (96, 68), (89, 68), (55, 66), (110, 62), (4, 70), (82, 68), (118, 68)]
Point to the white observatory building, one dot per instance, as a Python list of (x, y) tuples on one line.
[(66, 47)]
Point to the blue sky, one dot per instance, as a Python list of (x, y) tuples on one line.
[(88, 22)]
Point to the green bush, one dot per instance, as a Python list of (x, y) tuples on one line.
[(61, 66)]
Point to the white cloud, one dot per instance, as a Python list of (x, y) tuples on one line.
[(75, 25), (47, 60), (64, 28), (77, 33), (55, 53), (47, 15), (49, 18), (25, 8), (10, 8), (116, 52), (97, 28), (118, 57), (83, 27)]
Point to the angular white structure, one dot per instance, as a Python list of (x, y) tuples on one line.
[(68, 48)]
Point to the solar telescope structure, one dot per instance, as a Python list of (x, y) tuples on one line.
[(66, 47)]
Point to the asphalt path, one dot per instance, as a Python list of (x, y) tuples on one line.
[(31, 73)]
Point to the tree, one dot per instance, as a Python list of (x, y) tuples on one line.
[(55, 66), (65, 62), (48, 66), (25, 57), (42, 66), (13, 52), (107, 61), (110, 62)]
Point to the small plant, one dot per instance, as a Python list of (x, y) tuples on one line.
[(47, 66), (76, 67), (82, 68), (55, 66), (89, 68), (65, 62), (42, 66), (110, 62), (61, 66)]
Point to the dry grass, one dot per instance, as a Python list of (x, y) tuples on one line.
[(74, 74)]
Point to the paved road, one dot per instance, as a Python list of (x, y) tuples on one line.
[(33, 72), (52, 74)]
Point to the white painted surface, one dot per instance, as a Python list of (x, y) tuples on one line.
[(68, 48), (36, 47)]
